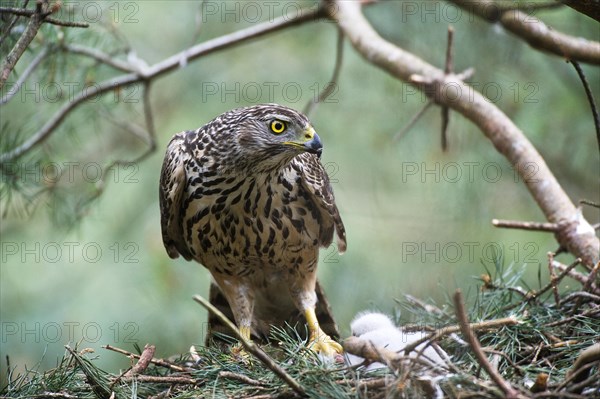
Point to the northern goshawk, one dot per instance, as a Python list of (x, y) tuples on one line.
[(247, 197)]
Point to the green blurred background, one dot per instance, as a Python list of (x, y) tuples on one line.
[(418, 219)]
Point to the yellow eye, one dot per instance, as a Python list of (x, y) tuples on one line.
[(278, 126)]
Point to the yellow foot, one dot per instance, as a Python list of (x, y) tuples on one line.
[(239, 353), (319, 341), (324, 345)]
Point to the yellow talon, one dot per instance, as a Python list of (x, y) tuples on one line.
[(319, 341), (325, 345)]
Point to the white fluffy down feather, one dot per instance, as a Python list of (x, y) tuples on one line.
[(365, 322), (381, 332)]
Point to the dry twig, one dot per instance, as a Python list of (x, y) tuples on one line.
[(251, 347), (62, 395), (330, 87), (448, 69), (580, 277), (567, 320), (367, 350), (483, 325), (158, 362), (554, 282), (164, 379), (373, 353), (461, 315), (143, 362), (412, 121), (239, 377), (535, 226)]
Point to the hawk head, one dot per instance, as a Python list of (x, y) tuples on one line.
[(268, 136)]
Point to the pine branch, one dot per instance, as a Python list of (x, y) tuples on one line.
[(28, 71), (35, 22), (22, 12), (177, 61), (252, 348), (158, 362)]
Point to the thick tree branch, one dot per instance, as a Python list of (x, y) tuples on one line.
[(35, 22), (534, 31), (179, 60), (576, 234)]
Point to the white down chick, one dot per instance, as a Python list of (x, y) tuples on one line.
[(381, 332)]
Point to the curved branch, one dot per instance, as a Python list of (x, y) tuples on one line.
[(181, 59), (98, 56), (575, 234), (146, 74), (50, 126), (590, 97), (534, 31), (30, 68)]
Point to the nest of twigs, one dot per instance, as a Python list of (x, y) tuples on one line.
[(514, 342)]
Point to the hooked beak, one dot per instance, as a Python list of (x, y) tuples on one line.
[(309, 141), (314, 145)]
